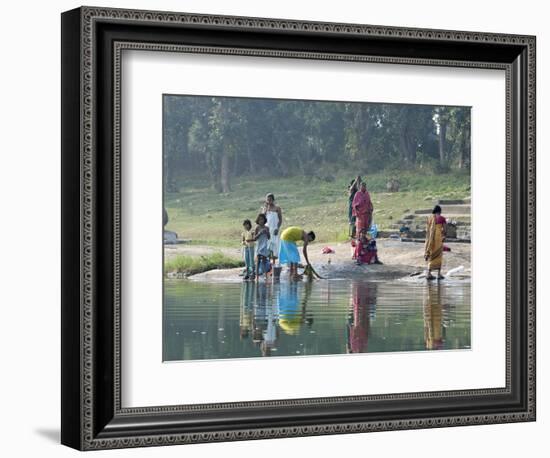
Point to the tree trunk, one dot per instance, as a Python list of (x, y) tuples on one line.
[(461, 154), (412, 150), (251, 164), (224, 173), (407, 147), (280, 163), (442, 142), (213, 172), (403, 145), (468, 149)]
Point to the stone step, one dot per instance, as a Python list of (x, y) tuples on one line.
[(466, 200), (458, 220), (459, 225), (423, 240), (447, 211), (451, 202)]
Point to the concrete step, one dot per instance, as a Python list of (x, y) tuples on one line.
[(448, 210), (466, 200), (459, 220), (451, 202)]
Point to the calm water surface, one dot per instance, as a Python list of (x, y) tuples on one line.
[(234, 320)]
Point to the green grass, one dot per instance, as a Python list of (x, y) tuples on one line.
[(199, 213), (190, 265)]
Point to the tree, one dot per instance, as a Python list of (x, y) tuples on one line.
[(227, 137), (442, 117)]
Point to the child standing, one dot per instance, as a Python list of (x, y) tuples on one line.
[(261, 236), (248, 250)]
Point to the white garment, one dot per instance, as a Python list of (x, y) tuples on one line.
[(273, 223), (270, 333)]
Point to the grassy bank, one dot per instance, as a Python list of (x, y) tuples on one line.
[(190, 265), (197, 212)]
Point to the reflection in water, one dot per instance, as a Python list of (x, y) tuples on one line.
[(363, 299), (433, 317), (318, 318)]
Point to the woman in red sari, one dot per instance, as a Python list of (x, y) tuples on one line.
[(362, 209)]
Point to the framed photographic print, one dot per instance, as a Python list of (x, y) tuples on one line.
[(278, 228)]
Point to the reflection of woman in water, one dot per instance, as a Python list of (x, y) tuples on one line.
[(292, 310), (259, 322), (248, 291), (270, 333), (433, 314), (266, 311), (290, 316), (362, 298)]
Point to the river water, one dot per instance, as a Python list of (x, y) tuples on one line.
[(248, 320)]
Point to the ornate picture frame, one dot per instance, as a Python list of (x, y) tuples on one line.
[(93, 416)]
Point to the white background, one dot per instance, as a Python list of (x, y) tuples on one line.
[(30, 242), (147, 76)]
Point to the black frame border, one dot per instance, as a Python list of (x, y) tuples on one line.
[(92, 42)]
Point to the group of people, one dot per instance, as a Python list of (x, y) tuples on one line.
[(360, 211), (265, 244)]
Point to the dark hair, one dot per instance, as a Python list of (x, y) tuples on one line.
[(247, 222), (437, 209), (261, 215), (311, 235), (270, 195)]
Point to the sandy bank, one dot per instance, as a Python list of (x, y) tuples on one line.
[(332, 271), (400, 259), (391, 252)]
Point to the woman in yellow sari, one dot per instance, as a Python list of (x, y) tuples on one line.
[(435, 236)]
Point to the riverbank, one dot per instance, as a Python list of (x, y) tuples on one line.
[(400, 259), (198, 213)]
